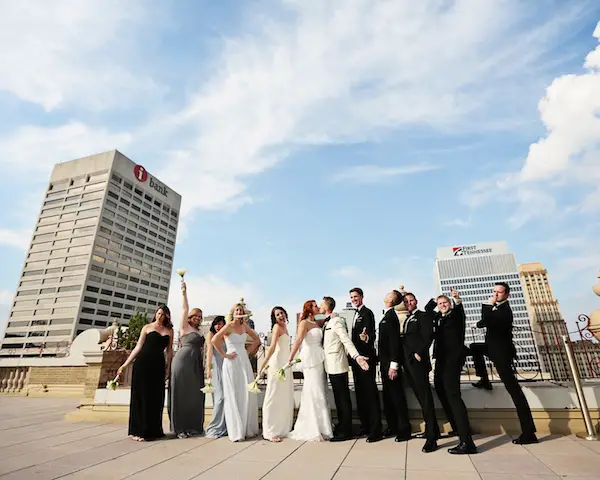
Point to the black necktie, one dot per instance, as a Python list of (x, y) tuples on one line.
[(324, 325)]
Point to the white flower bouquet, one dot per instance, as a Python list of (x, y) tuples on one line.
[(208, 388), (280, 374), (253, 387), (113, 384)]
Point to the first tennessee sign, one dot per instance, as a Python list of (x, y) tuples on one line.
[(141, 175), (469, 250)]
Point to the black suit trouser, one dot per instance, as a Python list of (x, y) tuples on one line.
[(417, 374), (367, 399), (446, 379), (343, 403), (394, 402), (503, 363)]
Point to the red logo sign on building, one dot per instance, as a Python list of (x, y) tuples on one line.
[(141, 174), (457, 251)]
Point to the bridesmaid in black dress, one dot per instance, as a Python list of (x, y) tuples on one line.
[(150, 371)]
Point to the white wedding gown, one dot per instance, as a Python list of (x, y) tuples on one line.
[(314, 418), (241, 406), (278, 405)]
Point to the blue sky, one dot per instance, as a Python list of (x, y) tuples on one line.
[(318, 145)]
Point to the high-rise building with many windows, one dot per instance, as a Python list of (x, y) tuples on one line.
[(102, 248), (473, 270)]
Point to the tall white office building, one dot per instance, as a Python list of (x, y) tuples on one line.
[(473, 270), (102, 248)]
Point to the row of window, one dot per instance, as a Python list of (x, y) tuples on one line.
[(39, 333), (116, 180), (142, 275), (139, 262), (137, 222), (145, 213)]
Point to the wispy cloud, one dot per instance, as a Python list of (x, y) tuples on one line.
[(320, 77), (566, 157), (15, 238), (375, 174), (66, 52), (458, 222), (349, 271)]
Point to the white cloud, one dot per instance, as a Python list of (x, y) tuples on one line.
[(569, 112), (568, 156), (362, 174), (323, 77), (349, 271), (458, 222), (15, 238), (6, 297), (68, 52), (36, 149)]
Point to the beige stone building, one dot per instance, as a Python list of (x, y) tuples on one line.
[(102, 248), (549, 326)]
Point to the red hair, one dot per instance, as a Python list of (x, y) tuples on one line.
[(307, 309)]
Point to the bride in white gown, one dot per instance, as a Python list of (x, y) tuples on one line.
[(314, 418), (241, 406)]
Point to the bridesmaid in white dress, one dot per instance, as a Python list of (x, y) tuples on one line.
[(278, 405), (241, 406), (314, 418)]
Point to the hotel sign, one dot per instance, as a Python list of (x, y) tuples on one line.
[(141, 175)]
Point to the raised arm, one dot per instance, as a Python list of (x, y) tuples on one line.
[(134, 353), (276, 333), (300, 334), (185, 311), (255, 339)]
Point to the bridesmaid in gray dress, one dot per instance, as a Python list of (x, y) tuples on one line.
[(186, 400), (214, 366)]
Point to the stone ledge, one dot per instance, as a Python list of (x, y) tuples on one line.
[(483, 420)]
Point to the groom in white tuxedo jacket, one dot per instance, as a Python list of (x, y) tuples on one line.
[(338, 346)]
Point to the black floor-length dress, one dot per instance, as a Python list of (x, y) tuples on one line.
[(148, 388)]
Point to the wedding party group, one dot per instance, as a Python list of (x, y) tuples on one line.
[(219, 363)]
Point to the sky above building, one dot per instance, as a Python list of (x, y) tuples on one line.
[(318, 145)]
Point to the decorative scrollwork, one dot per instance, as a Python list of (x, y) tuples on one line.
[(583, 325)]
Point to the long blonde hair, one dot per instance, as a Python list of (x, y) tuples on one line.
[(230, 318)]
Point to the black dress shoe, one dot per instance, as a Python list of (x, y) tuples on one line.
[(526, 439), (340, 438), (485, 385), (420, 435), (374, 438), (464, 448), (430, 446), (403, 438), (388, 432)]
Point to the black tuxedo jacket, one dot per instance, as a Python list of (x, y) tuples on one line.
[(417, 338), (449, 331), (498, 323), (390, 348), (365, 319)]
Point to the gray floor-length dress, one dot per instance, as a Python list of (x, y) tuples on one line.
[(217, 427), (186, 401)]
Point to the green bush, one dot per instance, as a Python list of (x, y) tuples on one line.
[(127, 339)]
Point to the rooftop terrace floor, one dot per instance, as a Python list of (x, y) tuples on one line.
[(37, 443)]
